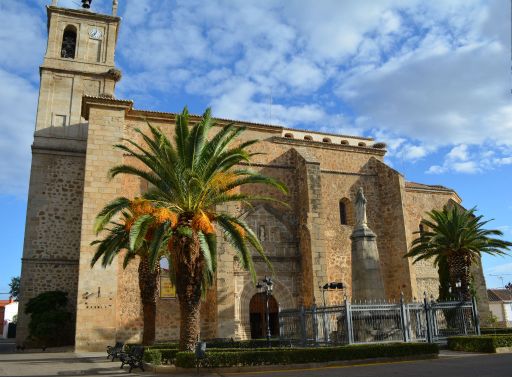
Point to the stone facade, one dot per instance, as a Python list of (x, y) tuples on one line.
[(308, 242)]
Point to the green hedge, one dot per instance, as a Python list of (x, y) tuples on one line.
[(168, 356), (164, 346), (253, 343), (496, 330), (153, 356), (484, 343), (225, 358)]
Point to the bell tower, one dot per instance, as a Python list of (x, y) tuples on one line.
[(79, 61)]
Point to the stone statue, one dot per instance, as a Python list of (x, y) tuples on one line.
[(360, 209)]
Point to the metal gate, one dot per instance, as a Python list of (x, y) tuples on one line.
[(426, 321)]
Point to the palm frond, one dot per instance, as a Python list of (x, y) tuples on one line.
[(109, 211)]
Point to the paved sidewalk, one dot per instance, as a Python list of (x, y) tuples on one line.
[(7, 345), (61, 364)]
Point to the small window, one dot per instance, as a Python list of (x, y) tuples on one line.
[(288, 135), (346, 212), (361, 144), (343, 213), (309, 138), (344, 142), (326, 140), (68, 43)]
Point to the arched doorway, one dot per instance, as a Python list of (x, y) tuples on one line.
[(258, 317)]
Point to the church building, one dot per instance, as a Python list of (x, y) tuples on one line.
[(309, 243)]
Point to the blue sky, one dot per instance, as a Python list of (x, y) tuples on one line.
[(431, 79)]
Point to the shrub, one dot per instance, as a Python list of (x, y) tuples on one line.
[(253, 343), (50, 323), (227, 358), (496, 330), (153, 356), (165, 346), (484, 343), (168, 355)]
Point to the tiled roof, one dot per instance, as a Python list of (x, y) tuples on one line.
[(269, 125), (416, 185), (499, 295)]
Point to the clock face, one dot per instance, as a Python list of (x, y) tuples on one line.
[(95, 33)]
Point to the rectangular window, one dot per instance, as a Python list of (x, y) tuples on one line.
[(59, 121)]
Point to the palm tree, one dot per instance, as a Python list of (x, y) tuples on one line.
[(455, 236), (117, 238), (191, 178)]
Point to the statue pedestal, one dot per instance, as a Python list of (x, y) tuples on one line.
[(367, 281)]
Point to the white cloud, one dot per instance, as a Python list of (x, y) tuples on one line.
[(466, 167), (460, 152), (503, 161), (413, 152), (459, 160), (421, 76), (18, 102), (22, 38), (500, 269)]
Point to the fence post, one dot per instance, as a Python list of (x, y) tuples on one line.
[(428, 319), (326, 325), (302, 317), (315, 323), (475, 315), (348, 320), (403, 318), (281, 324)]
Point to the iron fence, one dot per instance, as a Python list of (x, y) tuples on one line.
[(427, 321)]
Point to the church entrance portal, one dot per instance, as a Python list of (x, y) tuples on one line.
[(258, 317)]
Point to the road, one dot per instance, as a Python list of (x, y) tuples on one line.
[(466, 366)]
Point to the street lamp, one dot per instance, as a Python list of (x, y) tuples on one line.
[(332, 286), (267, 285), (458, 285)]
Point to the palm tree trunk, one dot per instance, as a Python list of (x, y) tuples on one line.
[(148, 285), (188, 261), (459, 271)]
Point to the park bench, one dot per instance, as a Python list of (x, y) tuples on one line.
[(115, 351), (133, 358)]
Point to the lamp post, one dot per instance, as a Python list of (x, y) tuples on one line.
[(267, 285), (458, 285), (332, 286)]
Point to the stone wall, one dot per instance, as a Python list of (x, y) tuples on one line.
[(417, 203), (97, 304), (397, 273), (52, 235)]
